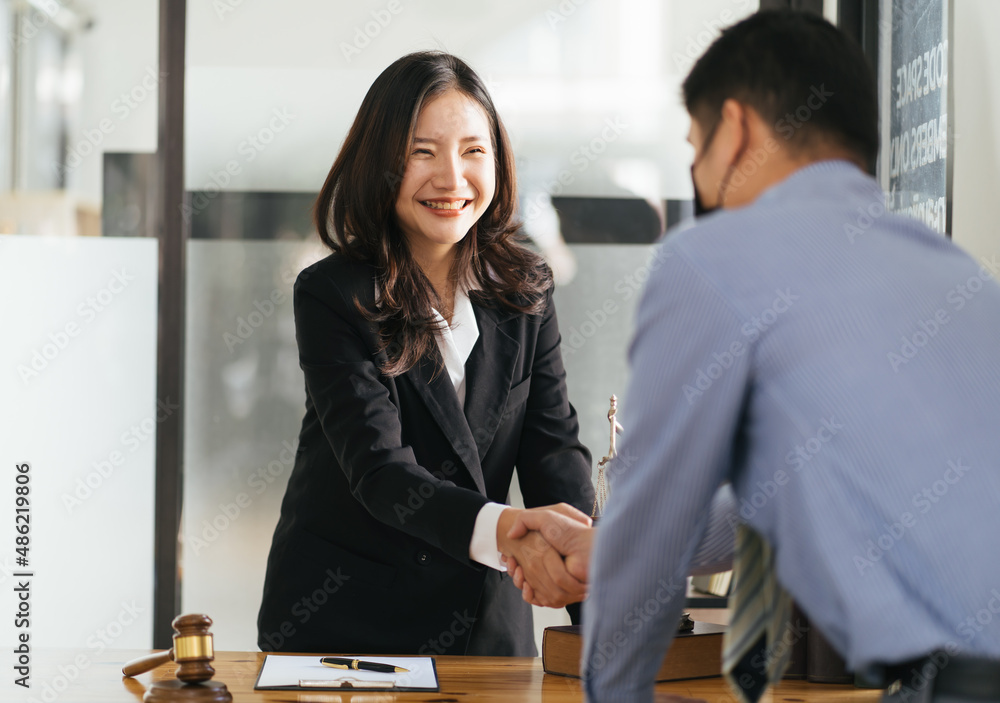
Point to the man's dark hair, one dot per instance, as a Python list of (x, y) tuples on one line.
[(799, 72)]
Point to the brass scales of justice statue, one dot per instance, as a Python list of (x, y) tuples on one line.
[(686, 624), (601, 489)]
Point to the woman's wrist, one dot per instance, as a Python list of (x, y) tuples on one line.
[(506, 521)]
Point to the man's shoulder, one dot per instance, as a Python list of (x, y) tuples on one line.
[(722, 240), (810, 211)]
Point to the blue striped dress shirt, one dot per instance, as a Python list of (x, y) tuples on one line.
[(840, 366)]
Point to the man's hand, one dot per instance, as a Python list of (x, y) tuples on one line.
[(531, 559), (570, 535)]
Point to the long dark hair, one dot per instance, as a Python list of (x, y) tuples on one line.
[(355, 212)]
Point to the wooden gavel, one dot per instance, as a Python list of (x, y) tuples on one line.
[(192, 651)]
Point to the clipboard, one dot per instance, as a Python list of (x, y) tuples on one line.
[(284, 672)]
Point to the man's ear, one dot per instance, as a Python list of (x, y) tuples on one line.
[(730, 134)]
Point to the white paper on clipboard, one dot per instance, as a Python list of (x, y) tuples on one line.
[(284, 672)]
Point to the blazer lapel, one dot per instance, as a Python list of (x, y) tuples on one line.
[(489, 372), (439, 396)]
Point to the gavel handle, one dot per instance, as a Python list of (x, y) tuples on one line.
[(146, 663)]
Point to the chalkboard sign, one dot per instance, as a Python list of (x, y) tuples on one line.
[(915, 158)]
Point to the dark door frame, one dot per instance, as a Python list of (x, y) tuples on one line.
[(172, 232)]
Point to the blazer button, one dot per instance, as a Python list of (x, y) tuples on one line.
[(423, 558)]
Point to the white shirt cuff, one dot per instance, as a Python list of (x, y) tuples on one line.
[(483, 547)]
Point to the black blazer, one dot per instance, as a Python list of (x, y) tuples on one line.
[(371, 551)]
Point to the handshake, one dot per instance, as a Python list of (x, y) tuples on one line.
[(547, 552)]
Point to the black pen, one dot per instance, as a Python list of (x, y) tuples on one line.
[(359, 665)]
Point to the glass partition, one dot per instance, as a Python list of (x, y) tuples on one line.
[(78, 405)]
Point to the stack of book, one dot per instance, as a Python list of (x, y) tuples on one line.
[(713, 584), (692, 655)]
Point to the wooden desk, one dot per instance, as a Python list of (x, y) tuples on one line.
[(84, 676)]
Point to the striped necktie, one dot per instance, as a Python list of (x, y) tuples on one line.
[(761, 615)]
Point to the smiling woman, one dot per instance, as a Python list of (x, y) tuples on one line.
[(415, 126), (402, 472), (449, 181)]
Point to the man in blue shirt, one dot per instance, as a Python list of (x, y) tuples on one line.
[(838, 365)]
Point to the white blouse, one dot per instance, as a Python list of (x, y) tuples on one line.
[(456, 342)]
